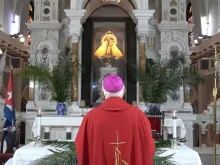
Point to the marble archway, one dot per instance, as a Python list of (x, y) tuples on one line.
[(80, 4), (91, 5)]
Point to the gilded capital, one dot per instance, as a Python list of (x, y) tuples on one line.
[(142, 37), (75, 37)]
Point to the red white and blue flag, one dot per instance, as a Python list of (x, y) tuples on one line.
[(9, 113), (9, 110)]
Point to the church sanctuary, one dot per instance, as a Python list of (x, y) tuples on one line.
[(55, 54)]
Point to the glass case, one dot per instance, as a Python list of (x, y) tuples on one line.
[(109, 55)]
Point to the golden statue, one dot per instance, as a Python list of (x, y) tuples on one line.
[(108, 47)]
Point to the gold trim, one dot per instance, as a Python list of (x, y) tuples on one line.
[(118, 157)]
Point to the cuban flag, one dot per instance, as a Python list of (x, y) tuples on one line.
[(9, 110)]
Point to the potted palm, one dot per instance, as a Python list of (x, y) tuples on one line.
[(164, 78), (58, 80)]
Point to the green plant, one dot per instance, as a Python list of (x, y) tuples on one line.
[(164, 78), (59, 80), (65, 154)]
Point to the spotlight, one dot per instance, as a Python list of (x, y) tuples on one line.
[(196, 41), (20, 35), (22, 39), (1, 51)]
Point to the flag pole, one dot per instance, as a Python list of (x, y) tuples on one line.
[(214, 109)]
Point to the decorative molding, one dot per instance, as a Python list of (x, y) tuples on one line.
[(142, 37), (76, 20), (184, 27), (142, 18), (53, 26)]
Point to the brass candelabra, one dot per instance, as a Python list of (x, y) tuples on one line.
[(215, 99)]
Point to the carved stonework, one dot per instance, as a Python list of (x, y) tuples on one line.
[(174, 38), (174, 10), (46, 10)]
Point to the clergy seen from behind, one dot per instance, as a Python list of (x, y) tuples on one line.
[(115, 133)]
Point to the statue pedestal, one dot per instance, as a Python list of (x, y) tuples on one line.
[(103, 72)]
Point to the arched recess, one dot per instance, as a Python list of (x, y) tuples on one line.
[(112, 18), (137, 4), (93, 5)]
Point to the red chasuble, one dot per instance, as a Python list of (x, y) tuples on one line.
[(115, 133)]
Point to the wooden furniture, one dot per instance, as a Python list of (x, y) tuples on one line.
[(157, 123)]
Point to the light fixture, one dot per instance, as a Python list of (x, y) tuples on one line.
[(196, 41), (20, 35), (112, 1), (22, 39), (1, 51)]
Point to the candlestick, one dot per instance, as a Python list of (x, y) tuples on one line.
[(82, 106), (38, 140)]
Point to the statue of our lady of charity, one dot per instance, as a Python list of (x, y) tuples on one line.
[(108, 49)]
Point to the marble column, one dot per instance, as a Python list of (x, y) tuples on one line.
[(76, 17), (142, 51), (75, 47), (142, 58), (142, 27)]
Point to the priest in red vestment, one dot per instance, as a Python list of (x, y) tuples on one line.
[(115, 133)]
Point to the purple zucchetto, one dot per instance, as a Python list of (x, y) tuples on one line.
[(113, 83)]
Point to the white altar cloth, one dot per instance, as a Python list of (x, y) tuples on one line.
[(75, 122), (28, 153), (58, 121), (184, 156)]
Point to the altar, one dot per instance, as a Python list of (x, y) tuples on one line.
[(183, 155), (66, 127)]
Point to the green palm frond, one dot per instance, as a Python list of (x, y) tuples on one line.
[(59, 80), (65, 154), (163, 160), (165, 77), (39, 72)]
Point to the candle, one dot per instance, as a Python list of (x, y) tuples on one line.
[(174, 129), (38, 126), (174, 125), (39, 113)]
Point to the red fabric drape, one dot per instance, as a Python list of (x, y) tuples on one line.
[(155, 123)]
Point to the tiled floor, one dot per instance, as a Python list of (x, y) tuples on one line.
[(208, 159)]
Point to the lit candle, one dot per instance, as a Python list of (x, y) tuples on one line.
[(39, 113), (174, 125)]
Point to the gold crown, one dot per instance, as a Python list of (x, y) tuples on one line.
[(109, 32)]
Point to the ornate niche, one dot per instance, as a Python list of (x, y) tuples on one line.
[(46, 10), (173, 11)]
